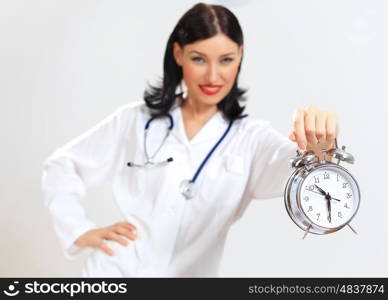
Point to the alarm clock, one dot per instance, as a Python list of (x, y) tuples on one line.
[(322, 197)]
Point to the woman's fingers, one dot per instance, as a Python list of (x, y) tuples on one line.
[(120, 233), (127, 225), (130, 234), (299, 128), (312, 126), (320, 126), (127, 229), (292, 137), (104, 247), (111, 235), (310, 118), (331, 127)]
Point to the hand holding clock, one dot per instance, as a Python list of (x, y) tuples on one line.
[(314, 129)]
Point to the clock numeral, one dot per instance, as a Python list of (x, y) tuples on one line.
[(318, 215), (339, 214), (348, 195), (316, 179), (326, 175), (337, 177), (329, 218), (346, 205), (310, 208), (306, 198), (310, 187), (345, 185)]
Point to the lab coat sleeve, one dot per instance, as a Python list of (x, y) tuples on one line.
[(71, 170), (270, 167)]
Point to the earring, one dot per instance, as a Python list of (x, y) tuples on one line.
[(183, 88)]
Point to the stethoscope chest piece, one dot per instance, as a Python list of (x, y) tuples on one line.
[(187, 188)]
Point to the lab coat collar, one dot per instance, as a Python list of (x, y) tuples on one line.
[(211, 131)]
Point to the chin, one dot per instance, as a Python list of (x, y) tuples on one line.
[(210, 100)]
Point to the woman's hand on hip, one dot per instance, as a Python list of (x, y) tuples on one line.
[(118, 232)]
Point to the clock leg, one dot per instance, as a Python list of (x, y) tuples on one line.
[(352, 229), (306, 232)]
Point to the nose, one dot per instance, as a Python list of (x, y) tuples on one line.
[(212, 74)]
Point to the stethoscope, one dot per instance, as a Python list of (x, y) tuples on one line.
[(150, 159), (187, 186)]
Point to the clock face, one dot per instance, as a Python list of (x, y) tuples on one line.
[(329, 197)]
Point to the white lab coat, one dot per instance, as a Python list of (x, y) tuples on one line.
[(177, 237)]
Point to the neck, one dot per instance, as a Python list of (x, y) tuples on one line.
[(198, 112)]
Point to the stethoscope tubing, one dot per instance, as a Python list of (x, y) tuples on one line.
[(149, 159)]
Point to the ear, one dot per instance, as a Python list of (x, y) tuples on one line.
[(177, 50)]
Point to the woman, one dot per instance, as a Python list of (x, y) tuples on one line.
[(209, 166)]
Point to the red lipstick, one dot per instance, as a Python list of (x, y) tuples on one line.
[(210, 89)]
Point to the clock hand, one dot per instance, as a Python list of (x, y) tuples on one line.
[(334, 199), (329, 206), (324, 195), (320, 190), (328, 210)]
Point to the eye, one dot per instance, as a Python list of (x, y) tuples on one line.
[(197, 59), (226, 60)]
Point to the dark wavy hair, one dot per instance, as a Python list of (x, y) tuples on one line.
[(200, 22)]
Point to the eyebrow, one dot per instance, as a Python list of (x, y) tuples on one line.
[(227, 54)]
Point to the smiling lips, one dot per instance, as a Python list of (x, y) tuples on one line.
[(210, 89)]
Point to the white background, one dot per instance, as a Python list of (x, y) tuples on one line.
[(65, 65)]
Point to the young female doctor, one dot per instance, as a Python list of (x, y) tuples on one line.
[(183, 166)]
